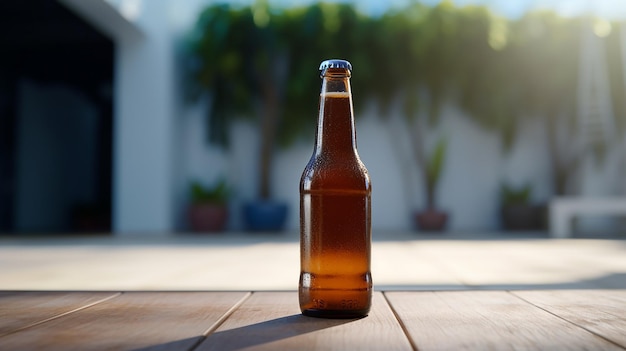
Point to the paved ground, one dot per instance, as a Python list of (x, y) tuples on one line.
[(406, 261)]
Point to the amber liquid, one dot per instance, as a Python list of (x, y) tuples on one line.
[(335, 225)]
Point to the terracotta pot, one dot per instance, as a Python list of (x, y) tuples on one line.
[(431, 220), (208, 217)]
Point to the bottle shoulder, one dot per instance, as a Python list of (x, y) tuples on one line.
[(335, 173)]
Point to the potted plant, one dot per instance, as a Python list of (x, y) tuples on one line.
[(432, 218), (517, 213), (237, 63), (260, 63), (208, 211), (423, 44)]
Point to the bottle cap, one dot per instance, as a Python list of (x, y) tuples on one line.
[(335, 63)]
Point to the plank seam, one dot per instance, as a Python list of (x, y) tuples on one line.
[(220, 321), (568, 321), (61, 315), (399, 320)]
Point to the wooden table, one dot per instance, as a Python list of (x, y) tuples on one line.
[(399, 320)]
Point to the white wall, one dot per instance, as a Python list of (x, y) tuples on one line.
[(469, 189), (144, 135)]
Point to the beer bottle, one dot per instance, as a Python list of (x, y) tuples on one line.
[(335, 209)]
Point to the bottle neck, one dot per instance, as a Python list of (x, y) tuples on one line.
[(335, 125)]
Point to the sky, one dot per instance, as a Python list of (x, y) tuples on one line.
[(610, 9)]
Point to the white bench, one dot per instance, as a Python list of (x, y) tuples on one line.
[(562, 209)]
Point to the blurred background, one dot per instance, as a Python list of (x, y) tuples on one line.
[(162, 116)]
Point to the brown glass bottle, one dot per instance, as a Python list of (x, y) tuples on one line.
[(335, 209)]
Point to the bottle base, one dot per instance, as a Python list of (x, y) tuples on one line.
[(336, 314)]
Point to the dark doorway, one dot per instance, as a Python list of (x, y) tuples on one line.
[(56, 124)]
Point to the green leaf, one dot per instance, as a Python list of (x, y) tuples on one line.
[(217, 193), (515, 196), (436, 162)]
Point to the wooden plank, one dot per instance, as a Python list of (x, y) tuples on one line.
[(151, 320), (272, 321), (484, 320), (22, 309), (603, 312)]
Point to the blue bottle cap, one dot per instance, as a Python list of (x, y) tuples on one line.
[(335, 63)]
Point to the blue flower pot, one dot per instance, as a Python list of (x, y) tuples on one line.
[(265, 216)]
